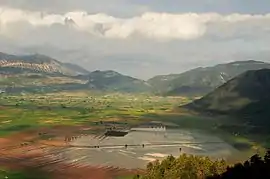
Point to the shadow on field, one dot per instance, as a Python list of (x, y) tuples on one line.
[(16, 128), (183, 121), (24, 173), (45, 108), (236, 135), (14, 166)]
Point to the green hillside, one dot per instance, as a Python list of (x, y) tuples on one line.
[(114, 81), (200, 81), (246, 96)]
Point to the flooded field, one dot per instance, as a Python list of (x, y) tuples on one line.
[(139, 147)]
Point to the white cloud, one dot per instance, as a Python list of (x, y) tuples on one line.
[(170, 43), (149, 25)]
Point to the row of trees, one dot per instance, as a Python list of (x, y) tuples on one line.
[(196, 167)]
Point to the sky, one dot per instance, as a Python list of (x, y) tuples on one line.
[(140, 38)]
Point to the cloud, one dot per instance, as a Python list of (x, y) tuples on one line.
[(142, 45), (148, 25), (135, 7), (115, 7)]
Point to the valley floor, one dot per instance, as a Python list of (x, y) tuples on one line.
[(34, 126)]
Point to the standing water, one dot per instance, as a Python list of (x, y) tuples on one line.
[(142, 145)]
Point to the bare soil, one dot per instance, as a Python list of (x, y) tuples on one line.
[(25, 150)]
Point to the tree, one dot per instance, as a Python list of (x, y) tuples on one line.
[(186, 167)]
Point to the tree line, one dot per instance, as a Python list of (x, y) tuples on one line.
[(199, 167)]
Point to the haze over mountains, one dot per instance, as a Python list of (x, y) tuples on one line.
[(198, 81), (203, 80), (12, 64), (40, 71), (111, 80)]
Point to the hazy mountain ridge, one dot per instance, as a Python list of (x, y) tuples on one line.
[(12, 64), (76, 68), (203, 80), (114, 81), (196, 81), (39, 73)]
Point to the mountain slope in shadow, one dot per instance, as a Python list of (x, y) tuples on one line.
[(246, 96)]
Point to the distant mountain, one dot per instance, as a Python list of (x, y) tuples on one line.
[(39, 73), (76, 68), (200, 81), (246, 96), (12, 64), (161, 83), (114, 81)]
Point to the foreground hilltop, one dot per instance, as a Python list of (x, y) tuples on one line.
[(201, 81), (246, 96)]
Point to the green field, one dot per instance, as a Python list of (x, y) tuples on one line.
[(31, 111), (21, 112), (27, 174)]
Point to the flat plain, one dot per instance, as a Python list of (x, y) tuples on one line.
[(43, 129)]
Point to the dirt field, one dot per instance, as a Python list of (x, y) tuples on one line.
[(27, 151), (61, 152)]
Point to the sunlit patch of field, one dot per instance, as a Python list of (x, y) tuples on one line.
[(5, 122), (48, 122), (74, 94)]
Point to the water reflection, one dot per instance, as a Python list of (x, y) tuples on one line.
[(157, 145)]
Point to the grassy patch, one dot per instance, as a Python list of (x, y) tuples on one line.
[(26, 174)]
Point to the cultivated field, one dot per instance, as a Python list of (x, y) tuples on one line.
[(35, 127), (32, 124)]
